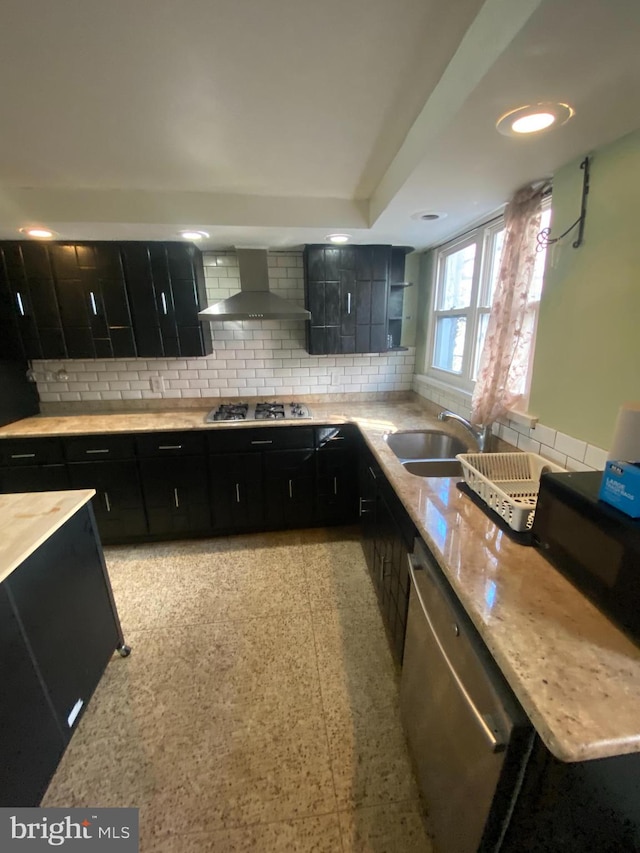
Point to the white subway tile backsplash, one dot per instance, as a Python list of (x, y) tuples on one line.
[(576, 465), (553, 455), (595, 457), (573, 447), (528, 445), (543, 434)]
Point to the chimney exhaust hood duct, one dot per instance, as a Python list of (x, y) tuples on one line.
[(254, 301)]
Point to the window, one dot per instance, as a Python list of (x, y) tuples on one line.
[(466, 274)]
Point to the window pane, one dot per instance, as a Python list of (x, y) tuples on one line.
[(535, 290), (483, 322), (494, 270), (449, 343), (455, 291)]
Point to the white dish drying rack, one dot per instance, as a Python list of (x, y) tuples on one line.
[(507, 482)]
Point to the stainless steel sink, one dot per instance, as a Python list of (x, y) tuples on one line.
[(424, 444), (433, 467), (427, 452)]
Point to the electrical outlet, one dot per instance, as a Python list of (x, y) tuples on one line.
[(335, 377), (157, 383)]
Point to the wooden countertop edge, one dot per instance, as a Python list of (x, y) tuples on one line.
[(38, 526)]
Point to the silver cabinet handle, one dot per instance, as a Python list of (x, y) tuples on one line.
[(175, 498), (107, 502), (348, 303), (337, 438), (335, 485), (290, 489), (383, 571), (94, 307), (262, 441), (169, 447), (363, 501), (101, 450), (22, 455), (163, 299), (20, 304), (495, 743), (237, 492)]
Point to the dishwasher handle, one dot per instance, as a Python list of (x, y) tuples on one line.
[(492, 736)]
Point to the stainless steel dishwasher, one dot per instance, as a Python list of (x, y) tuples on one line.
[(467, 734)]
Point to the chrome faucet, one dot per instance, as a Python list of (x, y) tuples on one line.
[(480, 433)]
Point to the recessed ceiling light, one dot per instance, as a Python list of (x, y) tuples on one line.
[(428, 215), (338, 238), (533, 118), (194, 235), (37, 232)]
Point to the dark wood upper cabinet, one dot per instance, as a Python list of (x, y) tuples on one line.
[(29, 313), (101, 300), (347, 292), (166, 286)]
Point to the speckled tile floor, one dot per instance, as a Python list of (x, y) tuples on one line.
[(259, 708)]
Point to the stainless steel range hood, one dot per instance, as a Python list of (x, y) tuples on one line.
[(254, 301)]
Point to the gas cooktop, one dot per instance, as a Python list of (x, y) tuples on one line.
[(258, 412)]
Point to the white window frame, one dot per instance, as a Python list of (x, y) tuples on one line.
[(483, 236)]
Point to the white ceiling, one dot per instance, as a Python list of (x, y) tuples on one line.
[(274, 124)]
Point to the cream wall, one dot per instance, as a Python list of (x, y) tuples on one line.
[(587, 358)]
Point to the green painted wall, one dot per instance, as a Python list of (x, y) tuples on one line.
[(587, 357)]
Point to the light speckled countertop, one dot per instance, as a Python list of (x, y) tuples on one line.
[(28, 520), (576, 675)]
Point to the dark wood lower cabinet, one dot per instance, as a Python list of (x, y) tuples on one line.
[(237, 496), (176, 495), (31, 742), (388, 535), (58, 630), (118, 504), (177, 484), (34, 478), (337, 475), (289, 488)]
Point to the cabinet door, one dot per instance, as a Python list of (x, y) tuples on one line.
[(176, 495), (323, 295), (355, 280), (34, 478), (372, 282), (92, 299), (367, 504), (63, 600), (31, 317), (166, 285), (337, 486), (32, 743), (237, 491), (118, 503), (289, 488)]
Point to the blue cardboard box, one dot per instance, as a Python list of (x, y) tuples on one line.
[(621, 487)]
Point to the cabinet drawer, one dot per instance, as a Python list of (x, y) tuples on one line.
[(336, 437), (261, 438), (31, 451), (93, 448), (170, 444)]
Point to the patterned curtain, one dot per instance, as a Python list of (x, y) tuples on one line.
[(507, 345)]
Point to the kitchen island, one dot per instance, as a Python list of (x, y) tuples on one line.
[(58, 630), (576, 675)]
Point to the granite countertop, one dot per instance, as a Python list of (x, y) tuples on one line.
[(576, 675), (28, 520)]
